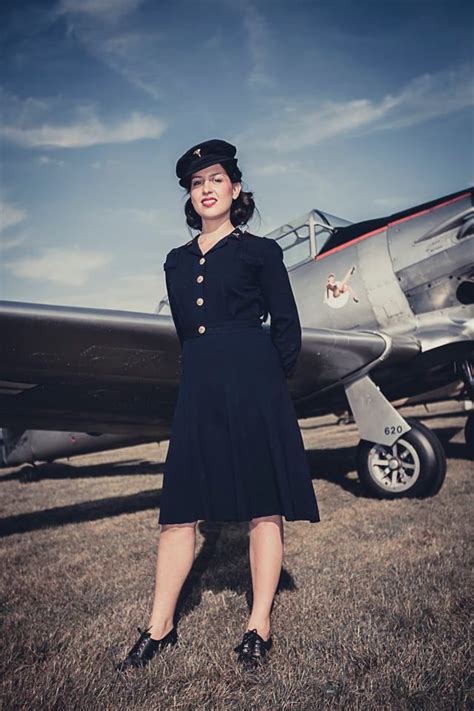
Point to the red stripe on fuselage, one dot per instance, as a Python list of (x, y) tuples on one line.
[(390, 224)]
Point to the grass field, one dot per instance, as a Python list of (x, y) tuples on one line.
[(372, 610)]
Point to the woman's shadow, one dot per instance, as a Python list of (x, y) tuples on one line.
[(215, 570)]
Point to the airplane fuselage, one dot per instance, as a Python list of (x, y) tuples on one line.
[(402, 278)]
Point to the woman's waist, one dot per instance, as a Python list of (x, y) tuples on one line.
[(205, 328)]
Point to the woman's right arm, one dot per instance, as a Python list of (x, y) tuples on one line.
[(285, 327), (171, 262)]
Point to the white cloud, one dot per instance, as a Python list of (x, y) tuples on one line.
[(47, 160), (133, 55), (24, 110), (107, 9), (257, 32), (121, 292), (309, 123), (279, 168), (71, 267), (432, 96), (10, 215), (89, 131), (109, 35), (392, 202), (12, 242)]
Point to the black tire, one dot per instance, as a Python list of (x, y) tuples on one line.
[(469, 434), (425, 457)]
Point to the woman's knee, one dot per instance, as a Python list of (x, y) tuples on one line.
[(274, 518), (191, 525)]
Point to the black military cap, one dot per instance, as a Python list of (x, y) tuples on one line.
[(201, 156)]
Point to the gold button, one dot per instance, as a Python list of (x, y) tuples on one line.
[(201, 329), (200, 278), (202, 260), (199, 301)]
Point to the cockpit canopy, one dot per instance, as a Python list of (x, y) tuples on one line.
[(303, 238)]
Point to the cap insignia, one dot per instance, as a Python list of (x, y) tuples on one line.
[(197, 152)]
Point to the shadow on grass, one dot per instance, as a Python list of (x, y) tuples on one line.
[(325, 464), (61, 470), (215, 570), (333, 463), (77, 513)]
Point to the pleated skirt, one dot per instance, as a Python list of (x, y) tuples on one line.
[(235, 450)]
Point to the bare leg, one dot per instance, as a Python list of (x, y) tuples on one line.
[(351, 291), (349, 274), (174, 561), (266, 558)]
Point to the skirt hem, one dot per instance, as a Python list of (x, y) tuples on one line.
[(242, 520)]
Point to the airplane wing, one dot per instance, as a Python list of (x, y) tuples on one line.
[(400, 365), (82, 369), (330, 359)]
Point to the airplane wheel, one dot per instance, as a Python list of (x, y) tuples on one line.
[(415, 465), (469, 433)]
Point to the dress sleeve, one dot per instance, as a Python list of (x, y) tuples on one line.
[(169, 266), (285, 327)]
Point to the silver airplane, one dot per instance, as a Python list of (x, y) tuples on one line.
[(386, 308)]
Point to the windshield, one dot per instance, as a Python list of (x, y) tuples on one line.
[(302, 238), (332, 220)]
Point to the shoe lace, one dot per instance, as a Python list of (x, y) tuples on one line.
[(142, 642), (250, 643)]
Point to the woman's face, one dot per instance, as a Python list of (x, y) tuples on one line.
[(212, 192)]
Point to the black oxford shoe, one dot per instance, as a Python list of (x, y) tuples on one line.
[(253, 648), (145, 648)]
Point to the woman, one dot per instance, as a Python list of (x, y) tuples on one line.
[(235, 452), (334, 288)]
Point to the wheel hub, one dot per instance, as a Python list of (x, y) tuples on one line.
[(395, 468)]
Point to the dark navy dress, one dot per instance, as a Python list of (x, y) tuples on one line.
[(235, 450)]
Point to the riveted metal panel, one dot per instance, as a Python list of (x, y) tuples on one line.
[(405, 238), (386, 298)]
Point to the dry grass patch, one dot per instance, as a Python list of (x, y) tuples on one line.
[(372, 610)]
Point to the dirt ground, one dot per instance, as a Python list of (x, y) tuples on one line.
[(372, 610)]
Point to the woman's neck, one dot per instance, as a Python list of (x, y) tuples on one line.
[(211, 229)]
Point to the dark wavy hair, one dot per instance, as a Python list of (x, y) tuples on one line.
[(242, 208)]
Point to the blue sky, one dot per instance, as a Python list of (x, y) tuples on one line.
[(358, 108)]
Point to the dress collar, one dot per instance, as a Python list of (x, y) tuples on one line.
[(193, 246)]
